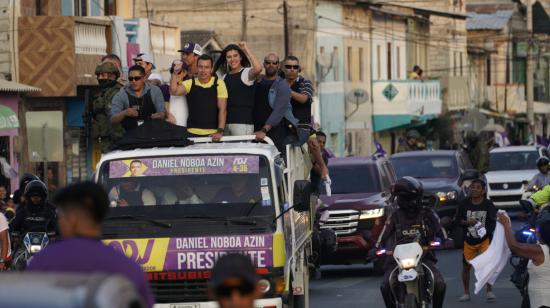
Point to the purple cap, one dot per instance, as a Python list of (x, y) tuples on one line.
[(192, 47)]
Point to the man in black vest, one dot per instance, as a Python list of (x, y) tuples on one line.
[(137, 102), (206, 100)]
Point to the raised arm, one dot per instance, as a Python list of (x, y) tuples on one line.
[(256, 68), (530, 251)]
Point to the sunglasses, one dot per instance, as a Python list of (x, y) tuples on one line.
[(295, 67), (271, 62), (135, 78), (225, 291)]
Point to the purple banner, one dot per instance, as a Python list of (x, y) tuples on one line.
[(185, 165), (200, 253)]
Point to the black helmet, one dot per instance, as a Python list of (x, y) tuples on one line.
[(543, 161), (36, 187), (409, 192), (25, 179)]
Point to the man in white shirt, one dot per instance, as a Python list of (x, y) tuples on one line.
[(4, 242)]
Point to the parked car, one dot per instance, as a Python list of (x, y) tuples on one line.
[(443, 173), (510, 168), (360, 194)]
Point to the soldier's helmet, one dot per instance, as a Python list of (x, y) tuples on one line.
[(107, 67)]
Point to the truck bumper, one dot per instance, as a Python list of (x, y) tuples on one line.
[(353, 242), (260, 303)]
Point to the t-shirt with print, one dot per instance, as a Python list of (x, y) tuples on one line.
[(485, 213)]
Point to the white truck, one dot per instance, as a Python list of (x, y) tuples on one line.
[(175, 210)]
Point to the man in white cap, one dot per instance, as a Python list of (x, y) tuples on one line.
[(190, 54), (146, 61)]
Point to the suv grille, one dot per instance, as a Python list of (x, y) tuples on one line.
[(343, 222), (511, 198), (500, 186), (180, 290)]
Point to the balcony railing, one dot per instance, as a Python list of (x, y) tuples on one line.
[(90, 38), (456, 93), (401, 102)]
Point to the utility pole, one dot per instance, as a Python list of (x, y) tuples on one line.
[(530, 81), (243, 21), (285, 24)]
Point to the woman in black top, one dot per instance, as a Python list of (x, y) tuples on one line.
[(239, 68)]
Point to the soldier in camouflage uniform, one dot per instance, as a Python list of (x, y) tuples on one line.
[(104, 133)]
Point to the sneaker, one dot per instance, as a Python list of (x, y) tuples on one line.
[(491, 297), (464, 298)]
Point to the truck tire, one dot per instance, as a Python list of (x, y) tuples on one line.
[(378, 266), (410, 301)]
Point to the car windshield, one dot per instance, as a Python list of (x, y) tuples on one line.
[(524, 160), (354, 179), (214, 185), (425, 167)]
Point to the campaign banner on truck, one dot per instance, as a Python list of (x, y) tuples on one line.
[(194, 253), (184, 165)]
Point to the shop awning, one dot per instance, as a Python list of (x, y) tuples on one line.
[(8, 118), (386, 121)]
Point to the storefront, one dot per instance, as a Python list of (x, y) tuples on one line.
[(9, 132)]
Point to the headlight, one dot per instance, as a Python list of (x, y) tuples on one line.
[(445, 196), (407, 263), (374, 213), (265, 285), (35, 248)]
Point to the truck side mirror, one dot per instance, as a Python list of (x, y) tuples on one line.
[(470, 174), (302, 195)]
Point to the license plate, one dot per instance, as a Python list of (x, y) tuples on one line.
[(185, 305), (407, 275)]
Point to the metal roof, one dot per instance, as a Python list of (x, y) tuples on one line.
[(10, 86), (494, 21)]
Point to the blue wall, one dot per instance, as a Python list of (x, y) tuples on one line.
[(331, 91)]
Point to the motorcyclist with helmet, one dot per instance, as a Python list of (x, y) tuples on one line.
[(18, 195), (542, 178), (408, 222), (35, 214)]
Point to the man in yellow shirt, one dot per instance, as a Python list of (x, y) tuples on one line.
[(206, 100)]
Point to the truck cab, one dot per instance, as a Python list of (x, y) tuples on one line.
[(176, 210)]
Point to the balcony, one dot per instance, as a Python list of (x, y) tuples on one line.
[(57, 53), (510, 98), (403, 102), (456, 93)]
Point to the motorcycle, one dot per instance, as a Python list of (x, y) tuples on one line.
[(525, 234), (33, 243), (412, 273)]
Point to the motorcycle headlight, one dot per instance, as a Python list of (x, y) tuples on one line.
[(407, 263), (35, 248), (374, 213)]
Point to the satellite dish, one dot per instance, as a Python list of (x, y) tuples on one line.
[(357, 96)]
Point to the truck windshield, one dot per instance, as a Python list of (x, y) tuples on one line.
[(354, 179), (193, 186), (425, 167), (500, 161)]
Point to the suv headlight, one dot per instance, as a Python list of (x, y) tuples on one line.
[(446, 196), (374, 213)]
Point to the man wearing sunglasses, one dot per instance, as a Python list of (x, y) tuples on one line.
[(234, 282), (301, 90), (272, 110), (137, 102)]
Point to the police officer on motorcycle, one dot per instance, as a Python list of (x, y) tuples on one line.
[(542, 178), (18, 194), (35, 214), (410, 221)]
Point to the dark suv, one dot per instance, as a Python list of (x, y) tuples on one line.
[(360, 193), (443, 173)]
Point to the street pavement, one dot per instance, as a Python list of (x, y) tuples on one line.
[(356, 286)]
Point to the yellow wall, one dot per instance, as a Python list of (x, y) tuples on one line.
[(125, 8)]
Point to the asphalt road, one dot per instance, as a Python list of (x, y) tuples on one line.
[(356, 286)]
